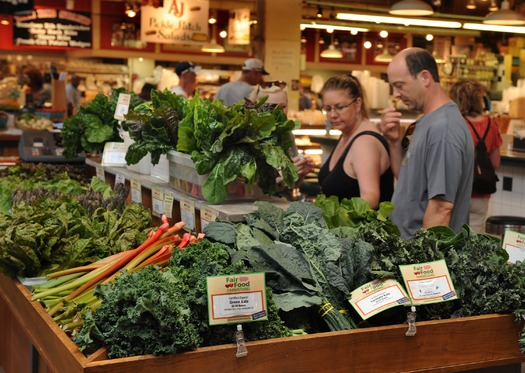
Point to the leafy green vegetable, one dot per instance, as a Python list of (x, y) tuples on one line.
[(154, 312), (93, 125), (49, 235)]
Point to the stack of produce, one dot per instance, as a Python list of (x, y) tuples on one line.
[(248, 141)]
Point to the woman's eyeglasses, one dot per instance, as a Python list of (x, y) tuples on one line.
[(338, 108), (405, 141), (277, 83)]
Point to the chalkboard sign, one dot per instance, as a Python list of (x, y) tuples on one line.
[(53, 28), (17, 7)]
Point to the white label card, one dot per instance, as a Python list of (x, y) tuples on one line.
[(236, 298), (114, 154), (168, 203), (428, 282), (122, 106), (514, 244), (157, 201), (187, 213), (120, 179), (136, 191), (377, 296), (208, 214)]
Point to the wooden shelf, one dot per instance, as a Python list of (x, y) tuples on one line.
[(439, 346)]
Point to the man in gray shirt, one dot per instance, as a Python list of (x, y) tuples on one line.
[(252, 74), (434, 168)]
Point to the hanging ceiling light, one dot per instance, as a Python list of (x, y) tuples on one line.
[(384, 56), (332, 51), (131, 9), (4, 21), (471, 5), (493, 6), (504, 16), (212, 46), (411, 8)]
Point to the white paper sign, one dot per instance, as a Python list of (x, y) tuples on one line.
[(120, 179), (122, 106), (157, 201), (168, 203), (208, 215), (114, 154), (136, 191), (187, 213), (377, 296), (514, 244)]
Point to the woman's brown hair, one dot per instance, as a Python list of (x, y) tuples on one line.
[(468, 95)]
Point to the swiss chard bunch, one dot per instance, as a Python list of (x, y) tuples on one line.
[(245, 142), (93, 125), (154, 126)]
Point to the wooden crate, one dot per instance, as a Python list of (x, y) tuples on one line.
[(439, 346)]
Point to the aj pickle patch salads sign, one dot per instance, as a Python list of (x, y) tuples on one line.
[(178, 22), (53, 28)]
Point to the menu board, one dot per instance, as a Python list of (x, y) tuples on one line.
[(53, 28)]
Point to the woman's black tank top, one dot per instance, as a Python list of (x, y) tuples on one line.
[(338, 183)]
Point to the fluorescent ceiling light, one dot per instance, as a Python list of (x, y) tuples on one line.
[(398, 20), (504, 16), (333, 27), (496, 28), (411, 8)]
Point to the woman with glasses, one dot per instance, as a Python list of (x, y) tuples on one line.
[(359, 165), (276, 92)]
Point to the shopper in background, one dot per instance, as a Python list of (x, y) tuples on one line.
[(145, 92), (252, 74), (187, 73), (73, 95), (434, 174), (37, 94), (276, 92), (468, 95), (359, 165)]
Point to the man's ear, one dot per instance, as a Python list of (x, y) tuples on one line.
[(426, 77)]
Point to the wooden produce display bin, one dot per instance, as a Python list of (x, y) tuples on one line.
[(439, 346)]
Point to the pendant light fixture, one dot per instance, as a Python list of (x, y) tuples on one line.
[(331, 51), (212, 46), (411, 8), (493, 6), (471, 5), (504, 16)]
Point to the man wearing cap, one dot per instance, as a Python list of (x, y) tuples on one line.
[(252, 74), (186, 71)]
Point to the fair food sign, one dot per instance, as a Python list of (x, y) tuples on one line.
[(178, 22)]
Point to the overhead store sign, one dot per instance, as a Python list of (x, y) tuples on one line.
[(53, 28), (178, 22), (16, 6)]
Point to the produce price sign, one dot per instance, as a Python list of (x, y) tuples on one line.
[(377, 296), (136, 191), (157, 201), (114, 154), (236, 298), (514, 244), (428, 282), (208, 214), (187, 213)]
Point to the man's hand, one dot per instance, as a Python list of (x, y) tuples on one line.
[(390, 124)]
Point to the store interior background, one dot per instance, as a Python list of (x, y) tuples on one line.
[(292, 52)]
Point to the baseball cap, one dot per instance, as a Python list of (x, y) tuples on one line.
[(254, 64), (186, 67)]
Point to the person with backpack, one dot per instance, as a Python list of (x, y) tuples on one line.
[(468, 95)]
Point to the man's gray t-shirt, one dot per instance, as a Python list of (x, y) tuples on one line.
[(233, 92), (439, 162)]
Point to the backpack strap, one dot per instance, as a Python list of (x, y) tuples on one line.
[(476, 133)]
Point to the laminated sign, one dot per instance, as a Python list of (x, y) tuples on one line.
[(428, 282), (237, 298)]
